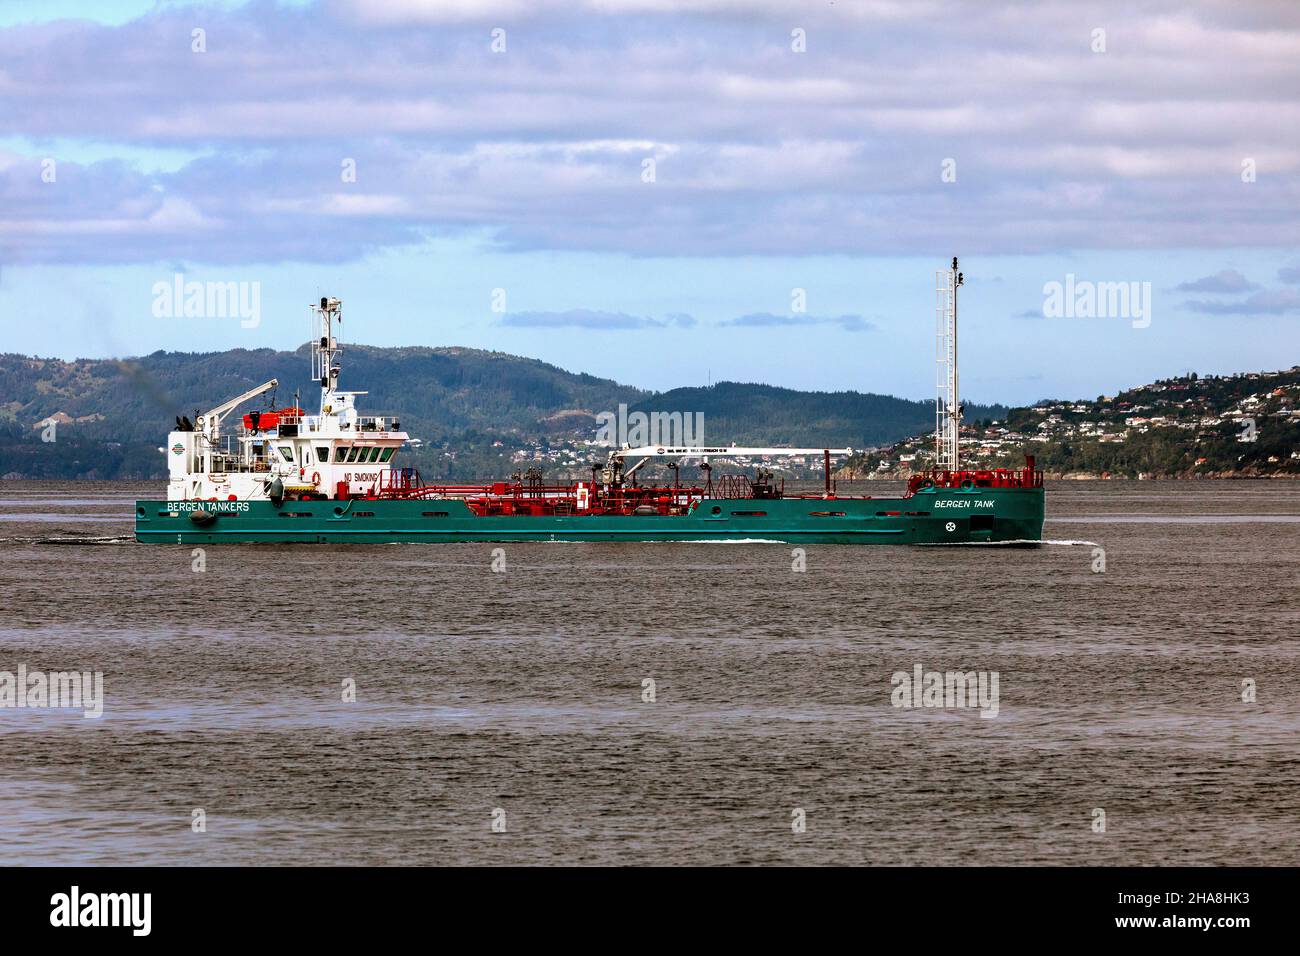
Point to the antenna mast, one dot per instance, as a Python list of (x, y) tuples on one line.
[(947, 405), (326, 347)]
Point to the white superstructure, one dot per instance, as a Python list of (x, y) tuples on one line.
[(285, 453)]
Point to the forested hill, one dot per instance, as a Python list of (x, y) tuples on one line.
[(767, 415), (1245, 425), (471, 409)]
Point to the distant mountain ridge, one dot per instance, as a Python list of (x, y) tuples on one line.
[(469, 407), (771, 415)]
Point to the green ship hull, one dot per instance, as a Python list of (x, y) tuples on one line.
[(930, 516)]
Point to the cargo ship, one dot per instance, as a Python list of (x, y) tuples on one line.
[(288, 476)]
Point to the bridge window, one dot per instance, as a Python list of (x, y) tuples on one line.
[(388, 453), (374, 455), (286, 452), (323, 453)]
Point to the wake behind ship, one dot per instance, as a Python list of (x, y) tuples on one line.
[(331, 477)]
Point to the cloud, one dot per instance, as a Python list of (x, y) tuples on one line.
[(511, 11), (850, 323), (596, 319), (1261, 303), (1229, 280), (758, 149), (593, 319), (1289, 274)]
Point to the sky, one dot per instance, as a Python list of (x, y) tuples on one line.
[(663, 192)]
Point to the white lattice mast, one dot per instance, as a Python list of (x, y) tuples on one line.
[(947, 404), (326, 349)]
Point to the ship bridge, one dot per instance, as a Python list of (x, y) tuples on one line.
[(285, 452)]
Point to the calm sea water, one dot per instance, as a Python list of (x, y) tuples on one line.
[(521, 692)]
